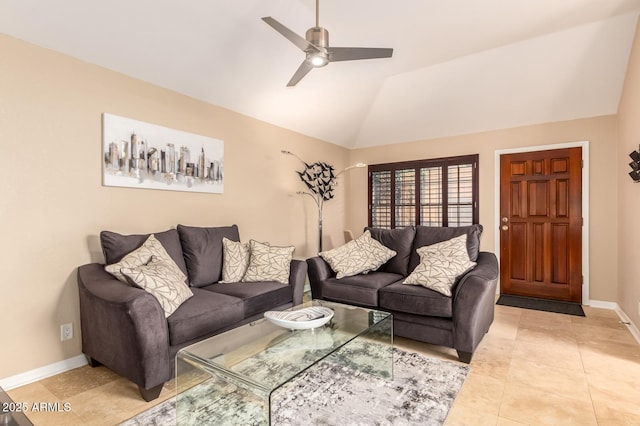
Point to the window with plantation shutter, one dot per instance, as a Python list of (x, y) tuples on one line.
[(380, 194), (405, 198), (437, 192), (431, 196)]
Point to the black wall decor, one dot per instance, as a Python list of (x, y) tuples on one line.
[(635, 166)]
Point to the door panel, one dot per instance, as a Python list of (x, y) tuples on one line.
[(541, 224), (560, 261)]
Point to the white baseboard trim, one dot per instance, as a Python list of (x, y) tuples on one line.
[(603, 305), (42, 372), (632, 327)]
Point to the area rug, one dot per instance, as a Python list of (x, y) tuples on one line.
[(421, 392), (541, 305)]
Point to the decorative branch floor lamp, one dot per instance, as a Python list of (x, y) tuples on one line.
[(320, 180)]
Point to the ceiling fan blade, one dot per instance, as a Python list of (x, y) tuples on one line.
[(294, 38), (302, 70), (355, 53)]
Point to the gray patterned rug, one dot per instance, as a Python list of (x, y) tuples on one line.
[(333, 393)]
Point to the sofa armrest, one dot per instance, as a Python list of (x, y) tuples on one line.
[(319, 271), (297, 278), (473, 304), (486, 267), (123, 327)]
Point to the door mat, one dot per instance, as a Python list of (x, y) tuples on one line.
[(421, 392), (541, 304)]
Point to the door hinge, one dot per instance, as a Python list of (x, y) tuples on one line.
[(582, 221)]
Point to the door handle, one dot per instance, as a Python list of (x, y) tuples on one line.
[(504, 227)]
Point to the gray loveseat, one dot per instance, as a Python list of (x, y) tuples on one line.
[(419, 313), (125, 328)]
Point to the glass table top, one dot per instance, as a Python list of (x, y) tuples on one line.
[(264, 355)]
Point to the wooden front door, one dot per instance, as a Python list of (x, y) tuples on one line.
[(541, 224)]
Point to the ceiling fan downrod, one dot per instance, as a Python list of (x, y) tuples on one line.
[(317, 35)]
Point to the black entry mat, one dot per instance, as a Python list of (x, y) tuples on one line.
[(541, 304)]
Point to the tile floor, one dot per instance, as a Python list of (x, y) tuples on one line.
[(532, 368)]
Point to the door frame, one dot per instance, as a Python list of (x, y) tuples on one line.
[(585, 202)]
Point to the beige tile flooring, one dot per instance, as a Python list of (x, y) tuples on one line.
[(532, 368)]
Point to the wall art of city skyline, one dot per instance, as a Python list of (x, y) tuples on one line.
[(144, 155)]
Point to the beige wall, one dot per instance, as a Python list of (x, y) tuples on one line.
[(601, 132), (629, 198), (53, 205)]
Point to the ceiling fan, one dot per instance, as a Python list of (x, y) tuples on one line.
[(317, 50)]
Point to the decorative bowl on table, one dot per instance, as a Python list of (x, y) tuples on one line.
[(311, 317)]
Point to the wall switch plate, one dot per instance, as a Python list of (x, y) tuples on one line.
[(66, 332)]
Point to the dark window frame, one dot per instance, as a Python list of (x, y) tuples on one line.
[(443, 163)]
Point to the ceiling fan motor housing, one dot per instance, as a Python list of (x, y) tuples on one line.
[(318, 36)]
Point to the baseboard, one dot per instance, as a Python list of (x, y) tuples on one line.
[(632, 327), (42, 372), (603, 305)]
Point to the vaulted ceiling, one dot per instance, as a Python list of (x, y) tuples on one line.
[(458, 66)]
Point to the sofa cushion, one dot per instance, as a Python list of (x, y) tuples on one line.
[(257, 297), (141, 256), (415, 300), (428, 235), (363, 254), (268, 263), (203, 314), (202, 248), (440, 265), (235, 260), (163, 280), (116, 246), (358, 289), (399, 240)]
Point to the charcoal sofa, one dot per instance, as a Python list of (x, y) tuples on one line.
[(125, 328), (419, 313)]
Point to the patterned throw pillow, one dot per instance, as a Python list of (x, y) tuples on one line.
[(440, 265), (358, 256), (268, 263), (235, 260), (141, 256), (159, 278)]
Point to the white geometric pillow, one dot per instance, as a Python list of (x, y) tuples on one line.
[(141, 256), (160, 279), (440, 265), (235, 260), (358, 256), (268, 263)]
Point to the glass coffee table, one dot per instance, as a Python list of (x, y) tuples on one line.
[(230, 378), (11, 413)]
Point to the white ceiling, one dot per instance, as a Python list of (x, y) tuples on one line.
[(459, 66)]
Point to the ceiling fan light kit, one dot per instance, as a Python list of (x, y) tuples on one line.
[(315, 44)]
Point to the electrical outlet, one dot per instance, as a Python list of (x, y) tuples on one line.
[(66, 332)]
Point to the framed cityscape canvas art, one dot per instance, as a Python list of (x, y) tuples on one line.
[(143, 155)]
